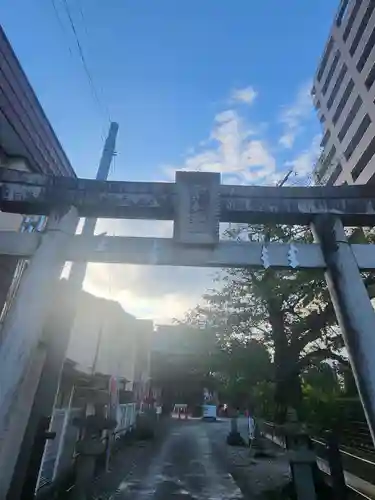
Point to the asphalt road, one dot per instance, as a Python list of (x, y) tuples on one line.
[(184, 468)]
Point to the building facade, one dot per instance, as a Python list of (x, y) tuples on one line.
[(343, 95), (27, 142), (177, 365)]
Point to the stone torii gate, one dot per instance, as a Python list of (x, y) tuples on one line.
[(197, 203)]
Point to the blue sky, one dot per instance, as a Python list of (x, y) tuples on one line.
[(210, 84)]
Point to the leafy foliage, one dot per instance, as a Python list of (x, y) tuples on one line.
[(240, 367), (289, 312), (321, 390)]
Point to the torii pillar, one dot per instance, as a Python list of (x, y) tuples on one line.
[(23, 349), (354, 311)]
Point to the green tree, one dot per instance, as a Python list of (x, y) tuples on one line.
[(239, 366), (321, 390), (289, 311)]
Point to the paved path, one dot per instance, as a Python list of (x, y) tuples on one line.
[(185, 468)]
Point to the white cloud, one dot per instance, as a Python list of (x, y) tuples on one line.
[(232, 179), (294, 115), (151, 292), (246, 95), (234, 149), (262, 164), (304, 162), (287, 140)]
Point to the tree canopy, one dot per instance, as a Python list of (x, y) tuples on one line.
[(287, 312)]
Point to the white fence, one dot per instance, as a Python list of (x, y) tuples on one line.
[(126, 418), (59, 453)]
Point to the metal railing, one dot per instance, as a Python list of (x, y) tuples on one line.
[(359, 471)]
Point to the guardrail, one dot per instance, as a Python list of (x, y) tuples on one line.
[(359, 472)]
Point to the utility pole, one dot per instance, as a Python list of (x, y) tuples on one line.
[(56, 330), (78, 269), (97, 349)]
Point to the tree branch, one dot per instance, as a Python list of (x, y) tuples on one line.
[(321, 355), (311, 326)]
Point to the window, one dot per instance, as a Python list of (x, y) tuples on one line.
[(364, 160), (367, 50), (342, 12), (337, 86), (325, 139), (351, 19), (322, 119), (325, 59), (364, 125), (343, 100), (335, 175), (370, 78), (317, 105), (331, 71), (349, 119), (362, 27)]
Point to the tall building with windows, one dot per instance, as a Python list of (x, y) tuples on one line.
[(344, 94)]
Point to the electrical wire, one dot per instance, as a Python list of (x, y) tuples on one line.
[(61, 24), (83, 59), (102, 108), (79, 5)]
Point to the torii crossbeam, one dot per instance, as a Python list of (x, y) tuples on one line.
[(39, 194)]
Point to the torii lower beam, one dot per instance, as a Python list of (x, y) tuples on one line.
[(166, 252)]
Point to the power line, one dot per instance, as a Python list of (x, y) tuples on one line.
[(83, 59), (61, 24), (79, 5), (86, 30), (90, 78)]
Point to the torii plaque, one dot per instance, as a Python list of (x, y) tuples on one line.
[(197, 214)]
